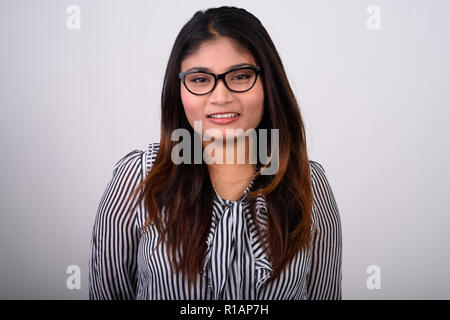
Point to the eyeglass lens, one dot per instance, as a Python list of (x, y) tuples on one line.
[(238, 80)]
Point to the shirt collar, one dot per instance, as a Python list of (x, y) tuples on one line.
[(225, 202)]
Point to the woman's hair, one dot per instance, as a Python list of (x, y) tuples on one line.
[(185, 190)]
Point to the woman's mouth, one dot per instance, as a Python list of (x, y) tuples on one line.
[(223, 118)]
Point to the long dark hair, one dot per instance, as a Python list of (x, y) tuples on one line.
[(185, 190)]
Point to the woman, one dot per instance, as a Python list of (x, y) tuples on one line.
[(214, 230)]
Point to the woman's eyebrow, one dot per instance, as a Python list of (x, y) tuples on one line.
[(209, 70)]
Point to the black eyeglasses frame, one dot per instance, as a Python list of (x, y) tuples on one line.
[(182, 76)]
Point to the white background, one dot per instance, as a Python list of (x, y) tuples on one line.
[(375, 104)]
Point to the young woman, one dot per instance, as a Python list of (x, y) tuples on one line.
[(214, 230)]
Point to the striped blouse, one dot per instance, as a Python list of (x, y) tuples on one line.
[(121, 265)]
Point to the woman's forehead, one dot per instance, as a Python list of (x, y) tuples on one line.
[(218, 56)]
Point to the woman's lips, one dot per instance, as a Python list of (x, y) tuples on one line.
[(224, 120)]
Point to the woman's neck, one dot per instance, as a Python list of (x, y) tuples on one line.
[(232, 176)]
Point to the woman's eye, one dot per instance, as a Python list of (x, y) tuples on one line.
[(242, 76), (199, 80)]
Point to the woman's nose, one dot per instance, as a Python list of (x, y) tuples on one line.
[(220, 93)]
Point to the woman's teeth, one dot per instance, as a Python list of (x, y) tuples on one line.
[(224, 115)]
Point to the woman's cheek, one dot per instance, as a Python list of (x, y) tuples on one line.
[(191, 112), (256, 110), (191, 108)]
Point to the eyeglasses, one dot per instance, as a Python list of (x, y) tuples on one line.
[(236, 80)]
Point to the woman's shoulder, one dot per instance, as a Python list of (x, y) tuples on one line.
[(131, 159), (151, 153), (314, 165), (318, 174), (324, 200), (320, 184), (137, 160)]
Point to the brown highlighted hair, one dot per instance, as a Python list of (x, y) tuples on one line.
[(185, 190)]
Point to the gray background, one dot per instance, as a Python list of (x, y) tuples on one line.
[(375, 104)]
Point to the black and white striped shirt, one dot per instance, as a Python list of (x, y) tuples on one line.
[(120, 266)]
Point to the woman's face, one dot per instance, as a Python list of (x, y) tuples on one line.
[(218, 56)]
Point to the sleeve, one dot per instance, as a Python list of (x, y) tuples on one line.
[(325, 277), (114, 239)]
